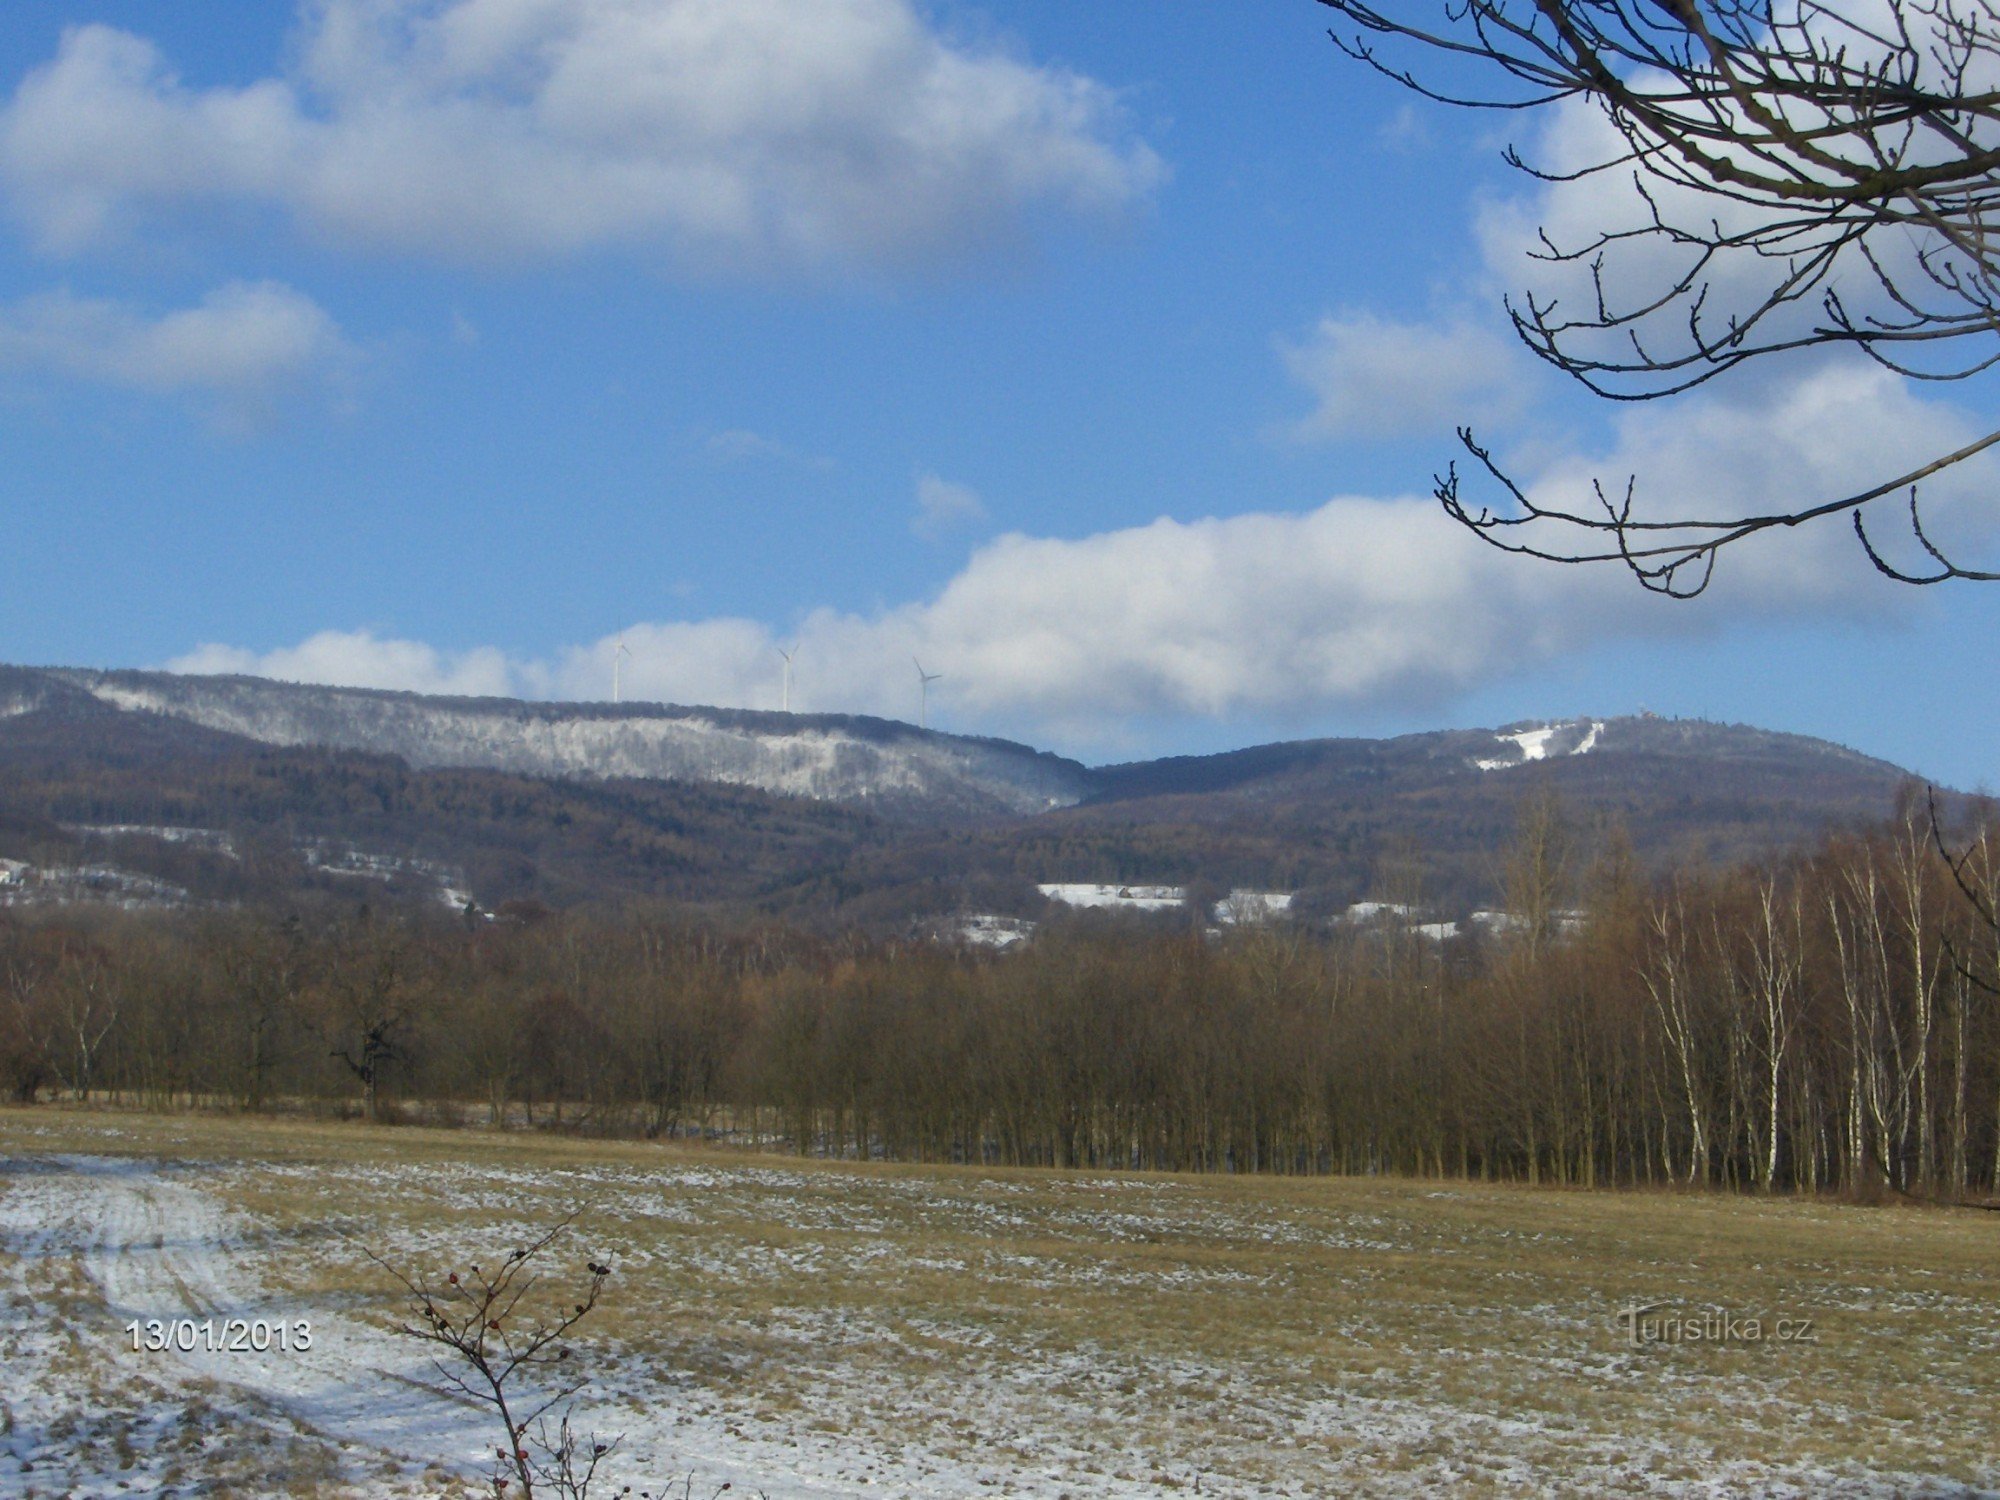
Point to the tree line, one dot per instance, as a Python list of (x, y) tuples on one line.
[(1823, 1022)]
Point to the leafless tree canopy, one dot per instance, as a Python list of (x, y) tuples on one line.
[(1804, 174), (1824, 1020)]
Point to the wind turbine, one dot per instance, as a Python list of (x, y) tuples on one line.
[(618, 660), (788, 655), (924, 681)]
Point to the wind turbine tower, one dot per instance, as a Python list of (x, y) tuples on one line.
[(924, 681), (788, 655), (617, 661)]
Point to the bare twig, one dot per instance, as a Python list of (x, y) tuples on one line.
[(492, 1340), (1803, 176)]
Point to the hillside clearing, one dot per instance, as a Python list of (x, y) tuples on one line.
[(820, 1330)]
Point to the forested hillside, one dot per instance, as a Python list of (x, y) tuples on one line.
[(200, 814)]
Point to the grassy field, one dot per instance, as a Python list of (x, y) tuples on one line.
[(820, 1329)]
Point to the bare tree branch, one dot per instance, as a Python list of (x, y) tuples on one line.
[(489, 1346), (1806, 176)]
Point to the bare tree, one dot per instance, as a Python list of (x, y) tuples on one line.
[(1668, 976), (503, 1349), (67, 1005), (1975, 870), (369, 1003), (1770, 983), (263, 969), (1803, 175)]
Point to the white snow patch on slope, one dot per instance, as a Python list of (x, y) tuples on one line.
[(1368, 911), (1246, 906), (55, 885), (1533, 744), (826, 761), (126, 698), (988, 930), (1124, 897)]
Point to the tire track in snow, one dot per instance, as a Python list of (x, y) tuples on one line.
[(155, 1246)]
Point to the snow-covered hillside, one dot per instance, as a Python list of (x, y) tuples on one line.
[(828, 757)]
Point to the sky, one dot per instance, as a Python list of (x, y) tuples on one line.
[(1100, 357)]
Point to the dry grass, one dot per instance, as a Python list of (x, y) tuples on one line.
[(1086, 1332)]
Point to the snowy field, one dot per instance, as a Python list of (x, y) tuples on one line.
[(810, 1330)]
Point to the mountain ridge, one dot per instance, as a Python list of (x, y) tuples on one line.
[(829, 757), (885, 822), (1468, 748)]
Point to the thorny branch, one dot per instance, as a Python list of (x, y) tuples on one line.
[(488, 1333)]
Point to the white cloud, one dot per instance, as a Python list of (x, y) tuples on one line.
[(721, 134), (943, 506), (729, 663), (1360, 602), (1584, 234), (1363, 602), (1816, 433), (362, 659), (1375, 378), (241, 350)]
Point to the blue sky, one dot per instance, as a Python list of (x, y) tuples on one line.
[(1100, 355)]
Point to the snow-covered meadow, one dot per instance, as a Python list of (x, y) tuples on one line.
[(817, 1330)]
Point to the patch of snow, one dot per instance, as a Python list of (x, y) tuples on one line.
[(1243, 906), (1125, 897), (987, 930), (345, 859), (131, 700), (459, 899), (1533, 744), (1437, 932), (1530, 744), (154, 1246), (1508, 921), (54, 885), (1367, 911)]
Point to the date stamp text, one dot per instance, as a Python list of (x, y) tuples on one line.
[(219, 1335)]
